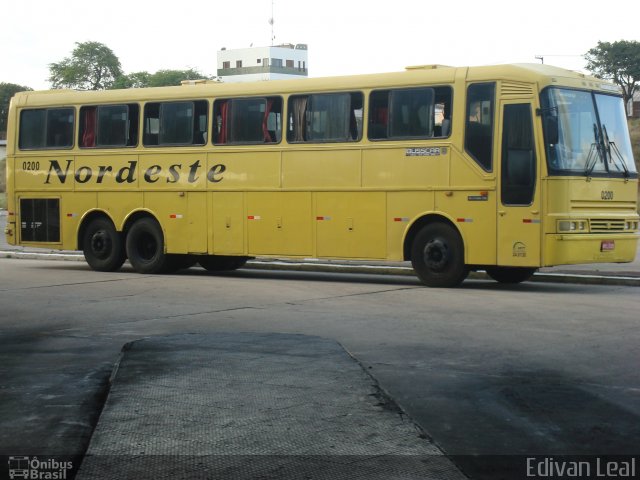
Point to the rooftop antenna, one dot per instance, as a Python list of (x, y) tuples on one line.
[(271, 22)]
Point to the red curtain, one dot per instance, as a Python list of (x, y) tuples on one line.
[(265, 120), (224, 121), (89, 135)]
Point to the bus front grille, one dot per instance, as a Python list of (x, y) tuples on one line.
[(606, 225)]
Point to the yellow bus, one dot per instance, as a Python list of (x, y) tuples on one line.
[(501, 168)]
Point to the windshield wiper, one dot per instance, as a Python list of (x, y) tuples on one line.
[(611, 146), (592, 159)]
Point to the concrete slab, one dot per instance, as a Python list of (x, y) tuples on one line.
[(241, 405)]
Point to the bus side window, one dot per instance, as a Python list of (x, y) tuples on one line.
[(109, 126), (478, 140), (332, 117), (410, 113), (175, 123), (46, 128), (247, 120)]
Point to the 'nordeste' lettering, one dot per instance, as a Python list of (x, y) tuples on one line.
[(128, 173)]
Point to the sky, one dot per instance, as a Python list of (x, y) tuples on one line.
[(345, 37)]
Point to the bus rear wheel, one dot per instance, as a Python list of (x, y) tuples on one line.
[(145, 246), (437, 256), (510, 274), (102, 246), (221, 263)]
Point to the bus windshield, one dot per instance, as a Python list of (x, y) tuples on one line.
[(586, 134)]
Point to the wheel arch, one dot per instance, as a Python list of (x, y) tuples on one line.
[(86, 219), (137, 215), (419, 223)]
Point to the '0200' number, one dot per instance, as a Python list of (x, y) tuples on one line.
[(30, 166), (606, 195)]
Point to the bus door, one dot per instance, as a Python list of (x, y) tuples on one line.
[(519, 216)]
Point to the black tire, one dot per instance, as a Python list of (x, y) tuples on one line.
[(510, 274), (145, 247), (102, 246), (221, 263), (437, 256)]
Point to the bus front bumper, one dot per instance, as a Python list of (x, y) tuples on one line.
[(568, 249)]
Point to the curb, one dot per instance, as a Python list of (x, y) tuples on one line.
[(302, 266)]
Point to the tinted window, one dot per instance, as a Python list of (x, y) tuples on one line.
[(333, 117), (109, 126), (479, 125), (175, 123), (39, 220), (518, 156), (248, 120), (410, 113), (46, 128)]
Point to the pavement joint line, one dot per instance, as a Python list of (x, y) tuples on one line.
[(551, 277)]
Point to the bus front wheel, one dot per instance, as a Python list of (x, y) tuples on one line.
[(437, 256), (102, 246), (145, 246), (510, 274)]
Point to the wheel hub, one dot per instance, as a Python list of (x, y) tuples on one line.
[(436, 255), (101, 244)]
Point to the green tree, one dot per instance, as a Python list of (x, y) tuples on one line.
[(132, 80), (7, 90), (162, 78), (92, 66), (619, 62)]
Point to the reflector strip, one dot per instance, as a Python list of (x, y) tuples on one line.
[(254, 217), (71, 215), (464, 220), (530, 220), (401, 219), (323, 218), (175, 215)]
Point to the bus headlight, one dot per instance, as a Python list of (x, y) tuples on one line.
[(572, 225)]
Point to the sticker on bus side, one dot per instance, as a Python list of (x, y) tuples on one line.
[(425, 152)]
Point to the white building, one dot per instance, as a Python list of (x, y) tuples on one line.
[(263, 63)]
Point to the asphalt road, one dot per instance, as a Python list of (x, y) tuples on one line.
[(487, 370)]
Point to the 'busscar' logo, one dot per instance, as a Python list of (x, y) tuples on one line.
[(129, 173)]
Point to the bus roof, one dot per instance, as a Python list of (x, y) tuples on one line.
[(543, 75)]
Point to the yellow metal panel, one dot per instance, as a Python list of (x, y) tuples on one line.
[(228, 219), (170, 209), (407, 167), (197, 222), (279, 223), (72, 209), (351, 224), (402, 209), (474, 214), (119, 172), (173, 171), (326, 168), (44, 172), (248, 169), (119, 206)]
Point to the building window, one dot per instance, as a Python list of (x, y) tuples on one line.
[(238, 63), (276, 62), (226, 64), (289, 63)]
